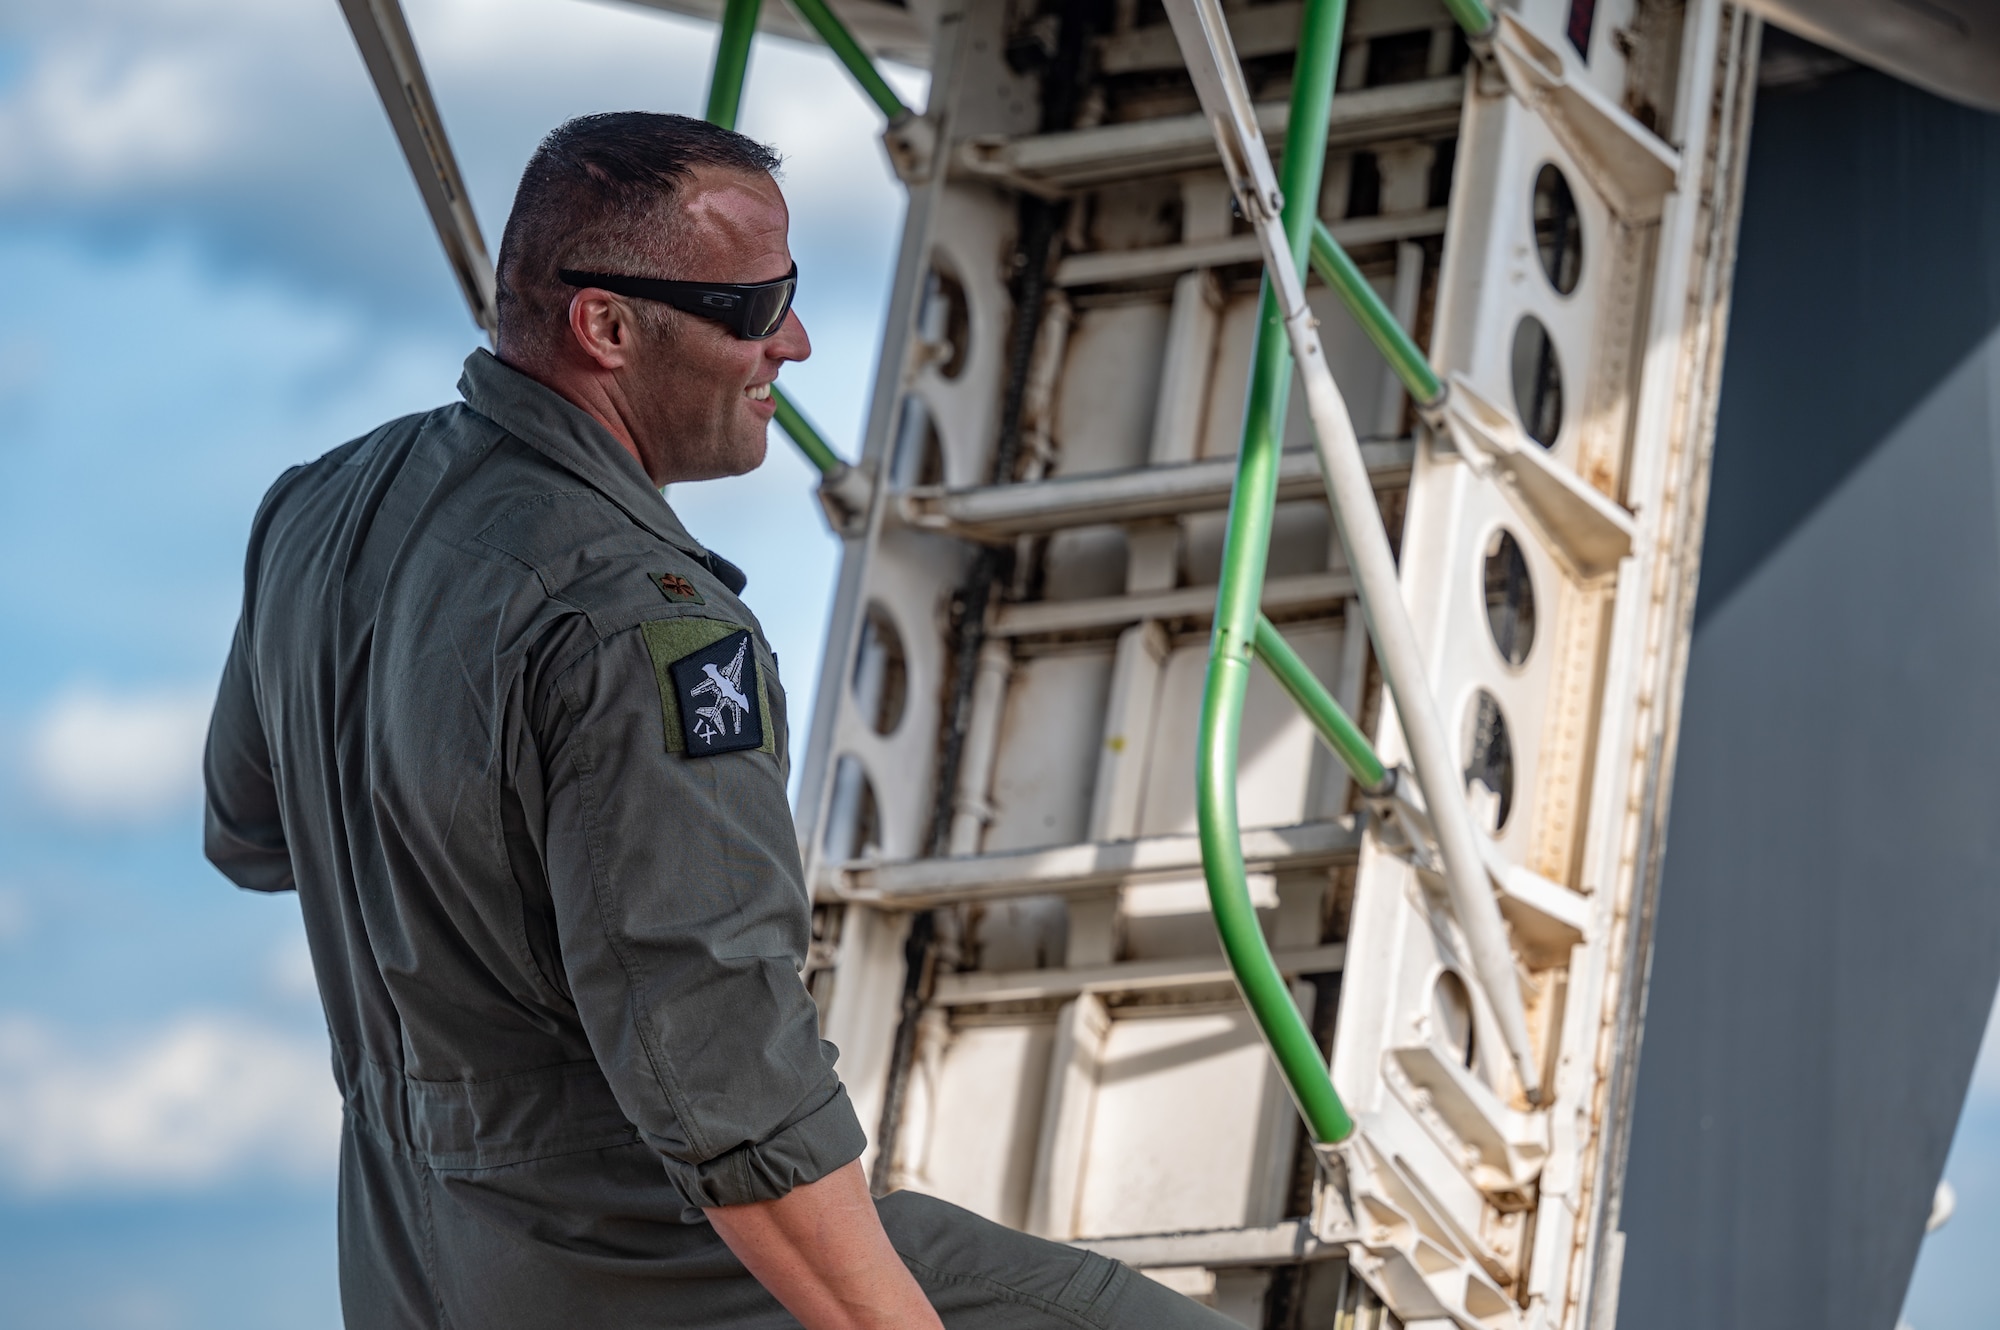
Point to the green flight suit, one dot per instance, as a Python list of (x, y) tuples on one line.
[(521, 750)]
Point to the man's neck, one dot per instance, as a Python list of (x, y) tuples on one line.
[(594, 394)]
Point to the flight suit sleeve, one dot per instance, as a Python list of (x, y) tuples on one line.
[(684, 922), (242, 833)]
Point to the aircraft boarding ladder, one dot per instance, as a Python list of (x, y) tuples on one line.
[(1045, 771)]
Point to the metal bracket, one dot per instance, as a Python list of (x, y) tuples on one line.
[(845, 493), (1629, 164), (1545, 916), (911, 141), (1405, 1246), (1503, 1149), (1586, 531)]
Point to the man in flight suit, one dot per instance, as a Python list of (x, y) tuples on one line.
[(512, 736)]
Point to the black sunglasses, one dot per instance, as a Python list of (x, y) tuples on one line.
[(752, 312)]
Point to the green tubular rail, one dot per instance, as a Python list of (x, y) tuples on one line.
[(725, 99), (1342, 735), (1245, 551), (810, 441), (835, 34), (1473, 16), (1240, 629), (1337, 270), (732, 59)]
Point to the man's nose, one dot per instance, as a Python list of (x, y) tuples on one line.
[(790, 341)]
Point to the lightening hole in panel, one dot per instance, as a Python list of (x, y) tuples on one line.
[(853, 822), (1489, 762), (1538, 385), (945, 324), (1510, 597), (1558, 229), (881, 671), (1451, 1017), (1582, 18), (918, 458)]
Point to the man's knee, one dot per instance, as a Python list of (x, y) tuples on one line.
[(983, 1275)]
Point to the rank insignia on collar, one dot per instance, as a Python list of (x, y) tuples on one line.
[(716, 688), (678, 589)]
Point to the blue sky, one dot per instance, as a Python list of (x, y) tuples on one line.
[(216, 266)]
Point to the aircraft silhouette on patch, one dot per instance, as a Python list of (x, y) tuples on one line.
[(718, 691), (725, 715)]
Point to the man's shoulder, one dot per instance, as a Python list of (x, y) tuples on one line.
[(590, 556), (497, 526), (384, 448)]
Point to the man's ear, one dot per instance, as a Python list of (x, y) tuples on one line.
[(603, 327)]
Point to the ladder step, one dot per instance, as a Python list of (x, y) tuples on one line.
[(1271, 1244), (1127, 265), (920, 884), (973, 986), (998, 513), (1083, 158), (1282, 595), (1257, 30)]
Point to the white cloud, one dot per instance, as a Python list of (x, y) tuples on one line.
[(106, 757), (99, 120), (199, 1101), (119, 95)]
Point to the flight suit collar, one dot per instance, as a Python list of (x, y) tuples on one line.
[(569, 436)]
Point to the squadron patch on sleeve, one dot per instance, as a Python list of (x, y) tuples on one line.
[(717, 689), (680, 647), (678, 589)]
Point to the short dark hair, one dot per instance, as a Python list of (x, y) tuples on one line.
[(599, 194)]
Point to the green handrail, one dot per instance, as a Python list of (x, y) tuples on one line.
[(1472, 15), (725, 99), (1405, 357), (732, 59), (810, 441), (1245, 551), (1342, 735), (835, 34)]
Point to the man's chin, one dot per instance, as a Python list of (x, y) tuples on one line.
[(739, 457)]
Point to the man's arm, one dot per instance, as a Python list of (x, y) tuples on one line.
[(243, 833), (684, 919), (821, 1251)]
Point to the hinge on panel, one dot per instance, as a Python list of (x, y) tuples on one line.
[(911, 142), (845, 493)]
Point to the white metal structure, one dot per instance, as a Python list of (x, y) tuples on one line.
[(1060, 1047)]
